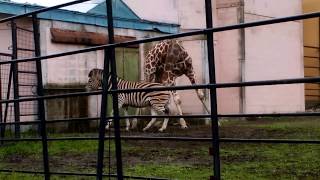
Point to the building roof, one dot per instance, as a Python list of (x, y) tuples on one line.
[(124, 17)]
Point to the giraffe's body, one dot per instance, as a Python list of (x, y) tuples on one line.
[(166, 61)]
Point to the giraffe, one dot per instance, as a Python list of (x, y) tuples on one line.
[(166, 61)]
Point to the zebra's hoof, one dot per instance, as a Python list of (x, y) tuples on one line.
[(161, 130), (184, 127), (144, 129)]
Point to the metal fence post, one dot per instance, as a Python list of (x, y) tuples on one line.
[(15, 78), (41, 108), (213, 92), (113, 66), (109, 58), (3, 127)]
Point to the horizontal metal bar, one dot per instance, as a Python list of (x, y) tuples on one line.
[(306, 114), (28, 114), (28, 85), (24, 29), (77, 174), (25, 49), (178, 35), (27, 72), (313, 47), (51, 97), (5, 54), (198, 139), (42, 10), (314, 57), (272, 141), (204, 86)]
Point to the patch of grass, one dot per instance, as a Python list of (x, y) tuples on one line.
[(267, 161), (171, 171), (72, 147), (25, 149), (19, 176), (187, 160)]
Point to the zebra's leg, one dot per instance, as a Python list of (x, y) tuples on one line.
[(125, 111), (164, 125), (135, 120), (177, 101), (109, 121), (153, 120)]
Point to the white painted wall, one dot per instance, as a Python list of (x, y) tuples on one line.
[(273, 52), (74, 69), (228, 58)]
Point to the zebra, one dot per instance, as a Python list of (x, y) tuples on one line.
[(157, 100)]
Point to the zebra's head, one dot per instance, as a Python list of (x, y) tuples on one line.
[(95, 79)]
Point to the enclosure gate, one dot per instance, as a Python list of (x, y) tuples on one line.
[(110, 61), (19, 81)]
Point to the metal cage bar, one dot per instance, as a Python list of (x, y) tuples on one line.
[(40, 92), (113, 66), (213, 93), (15, 78)]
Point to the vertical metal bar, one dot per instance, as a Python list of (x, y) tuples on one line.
[(41, 108), (3, 130), (103, 113), (2, 127), (213, 93), (113, 66), (109, 58), (15, 78)]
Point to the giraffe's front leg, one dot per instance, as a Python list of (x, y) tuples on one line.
[(177, 102), (200, 94)]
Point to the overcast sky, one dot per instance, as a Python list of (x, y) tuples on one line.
[(83, 7)]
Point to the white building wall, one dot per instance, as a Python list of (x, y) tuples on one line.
[(273, 52), (190, 15), (73, 70), (270, 52), (228, 50)]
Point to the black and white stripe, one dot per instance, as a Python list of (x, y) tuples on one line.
[(157, 100)]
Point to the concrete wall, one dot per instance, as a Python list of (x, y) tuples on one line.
[(5, 32), (273, 52), (228, 57), (190, 15), (72, 71), (241, 55)]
